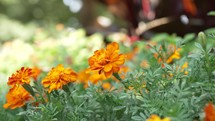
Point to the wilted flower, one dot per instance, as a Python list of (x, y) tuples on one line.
[(209, 112), (21, 77), (107, 60), (58, 77), (17, 97), (157, 118)]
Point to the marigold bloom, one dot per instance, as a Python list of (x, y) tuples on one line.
[(132, 54), (107, 60), (21, 76), (36, 72), (183, 67), (17, 97), (154, 117), (209, 112), (175, 55), (85, 76), (144, 64), (58, 77), (107, 86)]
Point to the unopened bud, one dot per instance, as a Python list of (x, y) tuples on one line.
[(202, 38)]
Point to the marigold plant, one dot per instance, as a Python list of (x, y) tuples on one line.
[(107, 60), (58, 77)]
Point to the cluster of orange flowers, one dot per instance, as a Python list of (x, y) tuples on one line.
[(17, 95), (103, 64)]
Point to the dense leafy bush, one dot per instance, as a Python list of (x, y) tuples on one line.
[(169, 76)]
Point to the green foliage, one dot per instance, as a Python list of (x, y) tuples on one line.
[(168, 89)]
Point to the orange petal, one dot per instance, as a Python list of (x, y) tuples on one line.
[(119, 62), (108, 67), (116, 69), (108, 74), (113, 46), (6, 105)]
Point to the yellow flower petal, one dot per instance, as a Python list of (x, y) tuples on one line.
[(108, 74), (107, 67)]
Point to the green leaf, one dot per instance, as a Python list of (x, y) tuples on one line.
[(118, 108), (117, 76), (137, 118), (29, 89), (140, 98), (142, 115), (199, 46), (168, 66), (189, 37)]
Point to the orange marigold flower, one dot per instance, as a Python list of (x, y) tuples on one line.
[(107, 86), (144, 64), (36, 72), (21, 76), (154, 117), (17, 97), (175, 55), (132, 54), (58, 77), (185, 65), (85, 76), (209, 112), (107, 60)]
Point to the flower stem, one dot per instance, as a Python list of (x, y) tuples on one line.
[(116, 75)]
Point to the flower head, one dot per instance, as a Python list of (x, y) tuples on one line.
[(85, 76), (157, 118), (21, 76), (58, 77), (209, 112), (35, 72), (107, 60), (175, 55), (17, 97)]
